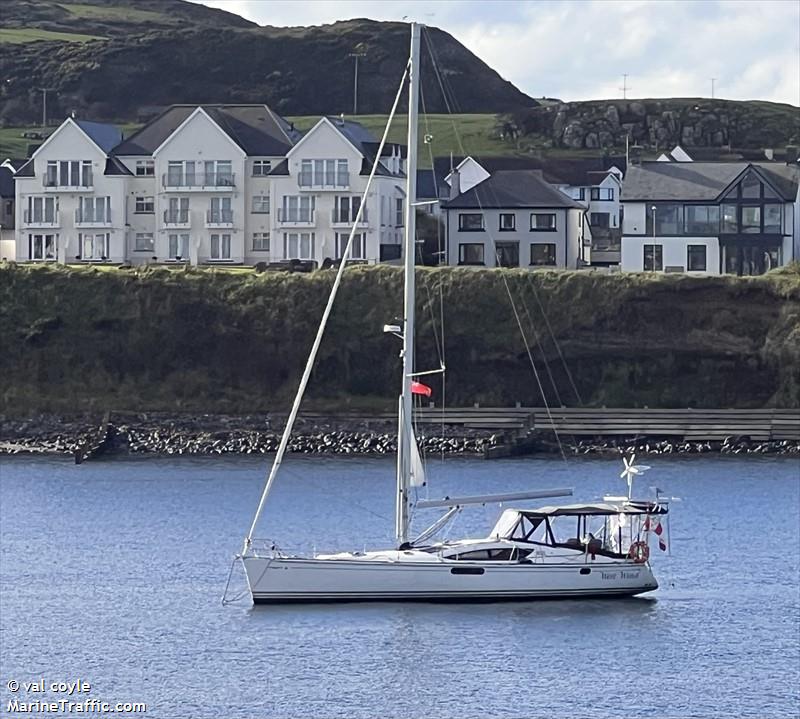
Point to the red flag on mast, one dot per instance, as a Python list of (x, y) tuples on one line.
[(419, 388)]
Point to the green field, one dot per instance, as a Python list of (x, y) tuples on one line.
[(12, 144), (113, 12), (17, 36)]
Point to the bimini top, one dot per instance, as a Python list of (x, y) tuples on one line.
[(573, 510)]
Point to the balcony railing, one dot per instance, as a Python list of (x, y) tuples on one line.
[(309, 181), (296, 218), (339, 217), (99, 218), (53, 184), (199, 180), (219, 218), (41, 219), (176, 218)]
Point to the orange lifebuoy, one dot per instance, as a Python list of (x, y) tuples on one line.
[(639, 552)]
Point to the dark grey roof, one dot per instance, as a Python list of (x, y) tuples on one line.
[(255, 128), (6, 182), (701, 181), (510, 189), (426, 184), (115, 166), (16, 162), (26, 170), (573, 171), (105, 136), (282, 168)]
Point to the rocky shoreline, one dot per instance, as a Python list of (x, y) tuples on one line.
[(199, 435)]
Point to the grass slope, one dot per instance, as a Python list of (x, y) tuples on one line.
[(16, 36), (207, 340)]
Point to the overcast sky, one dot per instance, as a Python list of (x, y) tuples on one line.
[(579, 50)]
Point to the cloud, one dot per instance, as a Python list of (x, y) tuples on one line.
[(579, 50)]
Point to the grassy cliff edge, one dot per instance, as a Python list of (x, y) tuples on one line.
[(78, 339)]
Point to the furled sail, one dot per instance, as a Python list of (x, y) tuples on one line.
[(416, 471)]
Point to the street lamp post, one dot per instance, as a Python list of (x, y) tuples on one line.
[(357, 53), (653, 256)]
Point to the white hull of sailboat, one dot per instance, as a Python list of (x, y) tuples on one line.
[(286, 580)]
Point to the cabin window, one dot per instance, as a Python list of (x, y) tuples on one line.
[(543, 254), (507, 222), (470, 254), (696, 258), (502, 554), (470, 222), (543, 222)]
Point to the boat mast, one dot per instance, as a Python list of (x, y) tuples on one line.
[(404, 435)]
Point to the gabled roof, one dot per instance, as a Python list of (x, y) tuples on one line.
[(105, 136), (15, 163), (6, 182), (572, 171), (256, 129), (509, 189), (26, 170), (115, 166), (702, 181)]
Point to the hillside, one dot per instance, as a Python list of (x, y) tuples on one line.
[(161, 52), (161, 339)]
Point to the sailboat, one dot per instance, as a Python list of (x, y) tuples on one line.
[(572, 550)]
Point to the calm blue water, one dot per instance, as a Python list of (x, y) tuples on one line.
[(112, 572)]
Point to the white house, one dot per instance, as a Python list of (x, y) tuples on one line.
[(317, 193), (70, 197), (513, 218), (711, 217)]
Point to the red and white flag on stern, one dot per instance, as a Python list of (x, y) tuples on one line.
[(419, 388), (657, 529)]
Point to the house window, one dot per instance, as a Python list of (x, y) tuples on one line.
[(93, 246), (751, 220), (261, 167), (599, 219), (773, 219), (543, 222), (178, 211), (221, 211), (470, 222), (701, 219), (324, 173), (261, 242), (602, 194), (42, 210), (208, 173), (398, 212), (543, 254), (578, 193), (143, 242), (696, 258), (220, 247), (42, 247), (179, 246), (653, 258), (507, 254), (471, 253), (729, 221), (298, 245), (345, 208), (69, 173), (507, 222), (669, 219), (261, 204), (144, 206), (145, 168), (357, 249), (297, 208), (93, 209)]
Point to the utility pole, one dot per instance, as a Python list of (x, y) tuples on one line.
[(44, 90), (625, 87), (358, 51)]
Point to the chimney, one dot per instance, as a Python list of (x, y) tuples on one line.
[(635, 152), (791, 154), (455, 183)]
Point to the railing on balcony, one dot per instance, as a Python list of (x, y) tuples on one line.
[(98, 217), (199, 180), (219, 217), (345, 217), (309, 181), (41, 219), (297, 217), (53, 183), (176, 217)]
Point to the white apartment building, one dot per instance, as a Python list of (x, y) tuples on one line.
[(317, 192), (214, 184)]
